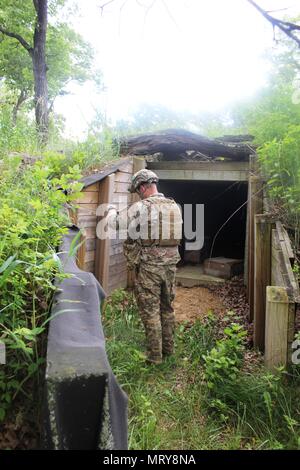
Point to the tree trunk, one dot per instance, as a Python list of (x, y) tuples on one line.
[(40, 71), (22, 97)]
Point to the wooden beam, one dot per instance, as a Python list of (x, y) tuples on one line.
[(262, 275), (106, 189), (277, 326), (139, 163), (81, 253), (255, 206), (200, 166), (212, 174)]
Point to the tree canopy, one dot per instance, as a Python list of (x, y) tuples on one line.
[(67, 56)]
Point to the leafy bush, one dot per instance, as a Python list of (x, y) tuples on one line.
[(16, 138), (222, 363), (32, 223), (280, 161), (258, 403)]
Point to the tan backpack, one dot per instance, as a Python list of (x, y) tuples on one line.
[(164, 222)]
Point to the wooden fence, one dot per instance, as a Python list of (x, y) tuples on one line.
[(273, 291)]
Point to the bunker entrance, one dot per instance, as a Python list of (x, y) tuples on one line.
[(221, 256)]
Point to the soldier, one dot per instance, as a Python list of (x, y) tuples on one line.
[(151, 249)]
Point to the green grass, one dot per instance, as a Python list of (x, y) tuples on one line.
[(171, 405)]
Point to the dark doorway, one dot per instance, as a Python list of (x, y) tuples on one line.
[(221, 199)]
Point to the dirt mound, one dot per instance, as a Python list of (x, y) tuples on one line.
[(195, 302)]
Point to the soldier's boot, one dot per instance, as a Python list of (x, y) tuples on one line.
[(153, 360)]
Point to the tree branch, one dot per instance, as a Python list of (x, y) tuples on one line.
[(104, 5), (285, 26), (19, 38)]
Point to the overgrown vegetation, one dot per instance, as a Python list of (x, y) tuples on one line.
[(32, 224), (206, 396), (35, 188)]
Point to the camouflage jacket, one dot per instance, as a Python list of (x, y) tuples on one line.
[(134, 251)]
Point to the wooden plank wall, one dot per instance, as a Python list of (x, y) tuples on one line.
[(85, 218), (106, 191), (282, 297), (117, 275)]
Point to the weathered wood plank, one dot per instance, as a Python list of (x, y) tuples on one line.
[(201, 166), (120, 283), (117, 259), (202, 175), (117, 269), (89, 267), (262, 276), (116, 242), (121, 177), (90, 244), (87, 197), (127, 168), (87, 209), (89, 232), (116, 249), (121, 187), (106, 189), (86, 221), (89, 256), (92, 187), (121, 198), (81, 253), (276, 273), (255, 202), (277, 319)]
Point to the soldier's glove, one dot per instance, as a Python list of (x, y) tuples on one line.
[(110, 207)]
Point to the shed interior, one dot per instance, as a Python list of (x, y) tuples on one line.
[(221, 199)]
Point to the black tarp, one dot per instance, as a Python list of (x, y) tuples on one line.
[(85, 407)]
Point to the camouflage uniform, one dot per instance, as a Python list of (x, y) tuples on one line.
[(154, 291), (155, 269)]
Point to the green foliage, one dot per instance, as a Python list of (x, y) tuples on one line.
[(273, 118), (18, 138), (280, 160), (171, 406), (68, 57), (32, 224), (224, 360)]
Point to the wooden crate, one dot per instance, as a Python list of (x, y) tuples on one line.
[(225, 268)]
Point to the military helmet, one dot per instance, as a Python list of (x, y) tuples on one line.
[(142, 176)]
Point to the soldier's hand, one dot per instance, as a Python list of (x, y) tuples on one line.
[(111, 207)]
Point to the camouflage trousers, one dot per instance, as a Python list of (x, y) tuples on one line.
[(154, 291)]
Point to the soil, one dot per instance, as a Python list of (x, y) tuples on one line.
[(192, 303)]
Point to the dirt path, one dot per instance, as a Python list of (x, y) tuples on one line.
[(196, 302)]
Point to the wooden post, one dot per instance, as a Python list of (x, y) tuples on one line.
[(81, 252), (254, 207), (106, 189), (262, 275), (277, 327)]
